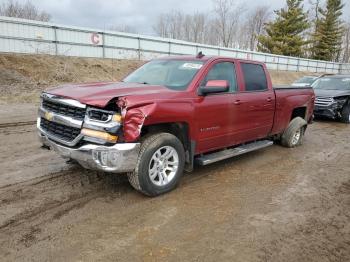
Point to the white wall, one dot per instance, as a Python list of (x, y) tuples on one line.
[(26, 36)]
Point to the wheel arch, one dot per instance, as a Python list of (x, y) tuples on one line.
[(300, 111), (179, 129)]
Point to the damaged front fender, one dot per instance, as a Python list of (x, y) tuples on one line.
[(137, 114), (134, 119)]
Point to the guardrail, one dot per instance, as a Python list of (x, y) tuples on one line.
[(33, 37)]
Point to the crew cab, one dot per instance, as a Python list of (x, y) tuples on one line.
[(171, 113), (333, 97)]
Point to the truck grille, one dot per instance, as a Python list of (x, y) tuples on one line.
[(324, 101), (62, 109), (63, 132)]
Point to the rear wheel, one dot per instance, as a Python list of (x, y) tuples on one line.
[(345, 115), (160, 165), (293, 135)]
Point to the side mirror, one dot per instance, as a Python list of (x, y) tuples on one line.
[(214, 86)]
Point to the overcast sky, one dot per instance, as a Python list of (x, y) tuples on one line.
[(140, 14)]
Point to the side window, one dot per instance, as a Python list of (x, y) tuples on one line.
[(223, 71), (254, 77)]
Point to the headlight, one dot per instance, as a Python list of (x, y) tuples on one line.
[(102, 125), (340, 101), (102, 116)]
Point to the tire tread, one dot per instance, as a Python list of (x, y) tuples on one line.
[(133, 177), (345, 113), (295, 124)]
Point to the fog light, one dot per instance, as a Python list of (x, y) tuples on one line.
[(106, 158), (113, 157)]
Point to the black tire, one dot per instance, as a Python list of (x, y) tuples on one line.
[(345, 114), (140, 178), (296, 126)]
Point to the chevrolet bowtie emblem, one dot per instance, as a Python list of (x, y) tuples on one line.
[(48, 116)]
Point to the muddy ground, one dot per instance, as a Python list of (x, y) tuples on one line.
[(275, 204)]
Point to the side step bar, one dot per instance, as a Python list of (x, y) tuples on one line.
[(228, 153)]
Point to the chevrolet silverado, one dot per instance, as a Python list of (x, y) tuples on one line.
[(171, 113)]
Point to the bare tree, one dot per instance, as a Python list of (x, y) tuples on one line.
[(25, 10), (346, 44), (211, 36), (199, 23), (177, 25), (193, 27), (314, 12), (176, 19), (227, 17), (170, 25), (255, 25), (161, 26)]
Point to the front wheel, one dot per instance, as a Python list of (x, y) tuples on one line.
[(345, 115), (159, 166)]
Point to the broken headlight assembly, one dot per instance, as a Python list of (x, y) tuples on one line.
[(340, 101), (101, 126)]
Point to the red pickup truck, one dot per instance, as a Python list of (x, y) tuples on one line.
[(171, 113)]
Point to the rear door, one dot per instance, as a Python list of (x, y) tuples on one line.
[(255, 102)]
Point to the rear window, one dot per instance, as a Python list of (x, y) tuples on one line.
[(254, 77)]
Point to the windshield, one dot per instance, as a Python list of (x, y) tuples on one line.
[(174, 74), (306, 80), (332, 83)]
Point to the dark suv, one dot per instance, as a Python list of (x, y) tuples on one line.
[(333, 97)]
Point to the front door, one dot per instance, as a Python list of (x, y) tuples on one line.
[(215, 113)]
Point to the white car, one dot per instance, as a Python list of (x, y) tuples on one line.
[(305, 81)]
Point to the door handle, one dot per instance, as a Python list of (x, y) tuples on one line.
[(237, 102), (269, 99)]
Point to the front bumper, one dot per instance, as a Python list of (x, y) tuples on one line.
[(119, 158), (326, 111), (329, 106)]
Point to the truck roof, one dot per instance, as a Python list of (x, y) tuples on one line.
[(187, 57), (204, 58)]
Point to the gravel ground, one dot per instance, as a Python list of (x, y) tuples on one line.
[(275, 204)]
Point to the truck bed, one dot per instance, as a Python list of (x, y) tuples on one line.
[(287, 99)]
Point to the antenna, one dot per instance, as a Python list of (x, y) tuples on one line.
[(200, 54)]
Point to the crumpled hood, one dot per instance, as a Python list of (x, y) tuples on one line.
[(99, 94), (331, 93)]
